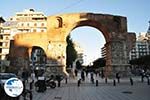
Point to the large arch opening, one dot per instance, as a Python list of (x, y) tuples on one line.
[(94, 24), (92, 37), (88, 43), (105, 35)]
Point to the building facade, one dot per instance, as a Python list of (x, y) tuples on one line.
[(22, 22), (27, 21), (3, 45), (142, 46), (80, 52), (4, 39), (103, 52)]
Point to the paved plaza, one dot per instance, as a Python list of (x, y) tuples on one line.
[(89, 91)]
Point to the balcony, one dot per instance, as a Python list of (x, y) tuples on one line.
[(2, 40), (4, 47)]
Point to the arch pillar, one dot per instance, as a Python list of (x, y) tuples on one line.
[(116, 57), (29, 53), (19, 57), (56, 57)]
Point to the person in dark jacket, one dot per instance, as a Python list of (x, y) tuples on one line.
[(118, 77), (82, 76)]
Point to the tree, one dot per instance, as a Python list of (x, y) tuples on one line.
[(100, 62), (78, 65), (71, 52), (142, 61)]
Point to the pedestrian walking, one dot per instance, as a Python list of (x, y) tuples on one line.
[(86, 73), (82, 75), (118, 77), (76, 72), (92, 77), (102, 73), (25, 75)]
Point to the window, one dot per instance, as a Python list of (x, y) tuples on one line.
[(28, 24), (6, 44), (34, 30), (1, 43), (59, 20), (35, 24), (42, 30), (1, 36), (19, 14), (42, 24), (7, 38), (22, 24)]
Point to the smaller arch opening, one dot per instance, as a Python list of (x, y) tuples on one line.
[(38, 56), (38, 60), (60, 23)]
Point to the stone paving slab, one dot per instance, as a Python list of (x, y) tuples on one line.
[(89, 91), (139, 91)]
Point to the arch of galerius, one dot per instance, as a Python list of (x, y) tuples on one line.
[(114, 28)]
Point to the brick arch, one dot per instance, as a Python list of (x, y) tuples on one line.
[(103, 30), (114, 29), (93, 24)]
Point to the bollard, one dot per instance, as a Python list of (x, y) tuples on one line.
[(106, 80), (31, 95), (59, 83), (148, 82), (131, 81), (96, 82), (142, 78), (24, 96), (79, 82), (31, 85), (114, 82), (66, 81)]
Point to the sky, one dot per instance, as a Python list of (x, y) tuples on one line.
[(136, 11)]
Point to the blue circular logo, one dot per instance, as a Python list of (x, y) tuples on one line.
[(13, 87)]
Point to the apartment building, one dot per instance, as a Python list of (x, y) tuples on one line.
[(103, 52), (3, 44), (22, 22), (26, 21), (142, 46)]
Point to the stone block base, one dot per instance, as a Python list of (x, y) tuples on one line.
[(56, 70), (124, 71)]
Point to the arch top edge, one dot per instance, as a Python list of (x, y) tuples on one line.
[(81, 14)]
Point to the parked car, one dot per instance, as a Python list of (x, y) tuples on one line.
[(5, 76)]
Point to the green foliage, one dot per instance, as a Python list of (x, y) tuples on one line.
[(78, 65), (71, 52), (100, 62), (142, 61)]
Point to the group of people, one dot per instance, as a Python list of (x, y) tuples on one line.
[(85, 74), (92, 75)]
